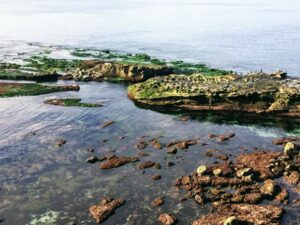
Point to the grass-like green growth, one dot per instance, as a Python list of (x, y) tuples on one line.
[(29, 89), (71, 102), (16, 74), (46, 64)]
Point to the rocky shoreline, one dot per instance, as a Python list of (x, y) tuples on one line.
[(258, 93)]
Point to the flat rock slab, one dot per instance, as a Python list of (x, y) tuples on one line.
[(253, 93), (105, 208), (244, 214)]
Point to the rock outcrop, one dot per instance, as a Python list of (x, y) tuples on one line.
[(98, 71), (253, 93)]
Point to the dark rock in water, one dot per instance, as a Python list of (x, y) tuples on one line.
[(285, 140), (92, 159), (170, 164), (197, 92), (98, 71), (244, 214), (167, 219), (59, 142), (182, 144), (107, 124), (105, 209), (141, 144), (146, 164), (71, 102), (115, 161), (156, 177), (158, 201)]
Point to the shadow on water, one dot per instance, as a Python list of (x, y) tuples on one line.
[(288, 124)]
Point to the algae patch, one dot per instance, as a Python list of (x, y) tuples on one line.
[(69, 102)]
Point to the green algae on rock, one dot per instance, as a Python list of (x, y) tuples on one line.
[(28, 89), (71, 102), (253, 93)]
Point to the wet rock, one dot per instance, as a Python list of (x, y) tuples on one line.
[(282, 196), (258, 162), (217, 172), (156, 144), (291, 149), (293, 178), (107, 124), (142, 154), (183, 144), (199, 199), (116, 161), (59, 142), (172, 150), (253, 198), (105, 209), (141, 145), (157, 166), (201, 170), (146, 164), (231, 93), (284, 140), (169, 164), (99, 71), (245, 214), (92, 159), (156, 177), (158, 201), (243, 172), (232, 220), (223, 157), (167, 219), (268, 188)]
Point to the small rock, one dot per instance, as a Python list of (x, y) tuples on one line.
[(156, 177), (170, 164), (60, 142), (282, 196), (243, 172), (146, 164), (156, 144), (217, 172), (201, 170), (232, 220), (167, 219), (92, 159), (107, 124), (158, 201), (290, 149), (157, 166), (268, 188), (172, 150), (142, 145), (293, 178), (199, 199), (105, 208)]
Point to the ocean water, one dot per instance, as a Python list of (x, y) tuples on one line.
[(229, 34)]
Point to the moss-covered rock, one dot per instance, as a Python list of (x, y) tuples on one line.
[(258, 93), (25, 89), (71, 102)]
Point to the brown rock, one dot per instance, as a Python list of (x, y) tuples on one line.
[(146, 164), (158, 201), (167, 219), (155, 143), (105, 208), (107, 124), (269, 187), (156, 177), (258, 162), (293, 178), (253, 198), (245, 214), (172, 150), (116, 161), (92, 159), (282, 196)]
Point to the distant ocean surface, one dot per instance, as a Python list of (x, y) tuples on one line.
[(230, 34)]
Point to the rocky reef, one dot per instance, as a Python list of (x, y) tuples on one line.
[(26, 89), (254, 93), (98, 71)]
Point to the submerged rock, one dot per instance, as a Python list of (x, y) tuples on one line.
[(167, 219), (253, 93), (71, 102), (243, 214), (105, 208), (116, 161)]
